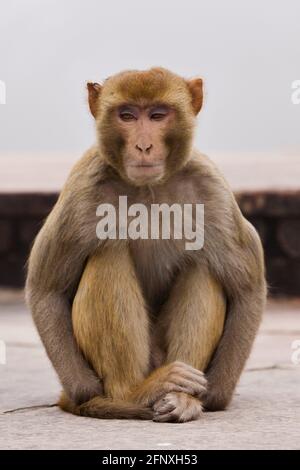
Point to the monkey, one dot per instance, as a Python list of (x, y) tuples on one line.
[(136, 328)]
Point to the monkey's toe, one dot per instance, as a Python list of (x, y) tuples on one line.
[(177, 408), (166, 404)]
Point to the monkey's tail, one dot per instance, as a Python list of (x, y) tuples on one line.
[(106, 408)]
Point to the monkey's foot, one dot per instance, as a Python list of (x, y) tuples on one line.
[(177, 407)]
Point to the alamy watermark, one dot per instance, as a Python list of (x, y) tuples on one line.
[(2, 92), (295, 357), (2, 352), (295, 97), (164, 221)]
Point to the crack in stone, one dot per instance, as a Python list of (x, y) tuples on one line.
[(273, 367), (33, 407)]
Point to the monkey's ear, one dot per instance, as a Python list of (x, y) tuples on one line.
[(195, 86), (94, 90)]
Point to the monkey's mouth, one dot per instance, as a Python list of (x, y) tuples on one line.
[(145, 171), (146, 165)]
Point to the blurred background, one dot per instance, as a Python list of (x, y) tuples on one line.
[(246, 52)]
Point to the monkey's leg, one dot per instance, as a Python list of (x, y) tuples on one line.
[(110, 325), (191, 325), (111, 328)]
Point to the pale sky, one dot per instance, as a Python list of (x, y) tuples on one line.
[(248, 53)]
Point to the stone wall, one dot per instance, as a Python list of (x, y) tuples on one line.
[(276, 215), (21, 216)]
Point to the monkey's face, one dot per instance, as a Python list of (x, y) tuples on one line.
[(145, 122), (142, 131)]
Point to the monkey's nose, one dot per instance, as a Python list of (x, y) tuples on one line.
[(144, 148)]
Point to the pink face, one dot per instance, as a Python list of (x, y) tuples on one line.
[(145, 150)]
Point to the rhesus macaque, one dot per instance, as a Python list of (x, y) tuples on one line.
[(145, 328)]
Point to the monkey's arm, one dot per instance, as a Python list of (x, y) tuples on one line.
[(54, 269), (246, 290)]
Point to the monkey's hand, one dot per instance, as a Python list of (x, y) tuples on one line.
[(84, 388), (177, 407), (174, 377)]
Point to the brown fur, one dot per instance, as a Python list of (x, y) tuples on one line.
[(131, 325)]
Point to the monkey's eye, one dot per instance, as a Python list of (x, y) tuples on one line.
[(126, 116), (158, 114)]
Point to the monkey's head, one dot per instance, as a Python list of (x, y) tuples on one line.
[(145, 122)]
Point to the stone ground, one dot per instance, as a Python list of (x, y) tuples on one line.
[(264, 414)]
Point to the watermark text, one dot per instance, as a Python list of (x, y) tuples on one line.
[(160, 221)]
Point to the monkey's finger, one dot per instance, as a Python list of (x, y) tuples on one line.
[(189, 373), (194, 377), (187, 386), (185, 366), (196, 390)]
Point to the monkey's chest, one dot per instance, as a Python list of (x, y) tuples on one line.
[(157, 263)]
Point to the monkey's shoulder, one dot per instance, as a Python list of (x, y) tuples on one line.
[(223, 217), (206, 175), (200, 181), (87, 171)]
